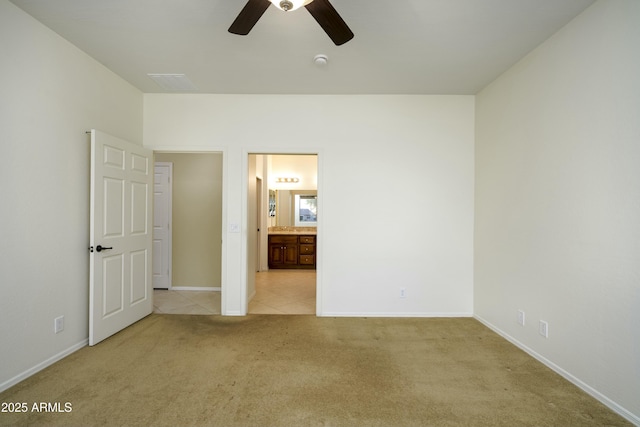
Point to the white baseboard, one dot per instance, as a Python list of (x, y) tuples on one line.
[(390, 314), (234, 313), (195, 288), (635, 419), (44, 364)]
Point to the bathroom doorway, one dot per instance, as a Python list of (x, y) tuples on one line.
[(273, 209)]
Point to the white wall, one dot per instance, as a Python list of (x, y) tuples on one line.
[(50, 94), (395, 189), (558, 202)]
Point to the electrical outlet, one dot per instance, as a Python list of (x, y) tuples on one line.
[(403, 292), (544, 329), (520, 317), (58, 324)]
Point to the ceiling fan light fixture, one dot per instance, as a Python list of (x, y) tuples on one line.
[(322, 11), (289, 5)]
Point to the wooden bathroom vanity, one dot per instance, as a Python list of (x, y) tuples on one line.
[(292, 249)]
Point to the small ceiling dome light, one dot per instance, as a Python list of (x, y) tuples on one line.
[(321, 60), (289, 5)]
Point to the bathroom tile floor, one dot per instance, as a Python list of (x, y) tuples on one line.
[(277, 292), (284, 292)]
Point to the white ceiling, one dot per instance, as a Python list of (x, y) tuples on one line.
[(400, 46)]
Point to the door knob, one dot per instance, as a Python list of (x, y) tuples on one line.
[(102, 248)]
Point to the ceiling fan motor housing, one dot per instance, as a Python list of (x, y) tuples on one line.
[(286, 5), (289, 5)]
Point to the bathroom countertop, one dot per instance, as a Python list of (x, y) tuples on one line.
[(292, 230)]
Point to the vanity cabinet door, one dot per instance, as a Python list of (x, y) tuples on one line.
[(283, 251), (291, 254), (276, 256), (282, 256)]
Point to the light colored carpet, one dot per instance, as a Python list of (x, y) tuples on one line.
[(259, 370)]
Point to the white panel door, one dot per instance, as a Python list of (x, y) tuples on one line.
[(120, 288), (162, 197)]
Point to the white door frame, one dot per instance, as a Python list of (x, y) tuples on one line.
[(259, 222), (244, 297)]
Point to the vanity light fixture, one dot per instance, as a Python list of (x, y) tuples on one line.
[(287, 180)]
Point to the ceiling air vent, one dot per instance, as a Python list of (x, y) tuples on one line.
[(173, 82)]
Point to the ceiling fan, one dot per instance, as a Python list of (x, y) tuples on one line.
[(321, 10)]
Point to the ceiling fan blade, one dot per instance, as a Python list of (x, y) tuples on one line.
[(330, 21), (248, 17)]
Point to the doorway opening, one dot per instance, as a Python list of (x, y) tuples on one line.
[(193, 261), (282, 218)]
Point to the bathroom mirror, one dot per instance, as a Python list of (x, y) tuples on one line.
[(296, 208)]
